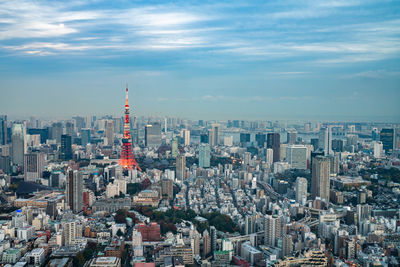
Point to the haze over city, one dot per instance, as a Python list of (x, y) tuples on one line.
[(333, 60)]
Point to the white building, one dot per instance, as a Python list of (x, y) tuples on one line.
[(296, 156), (36, 256), (301, 190), (378, 149), (280, 167)]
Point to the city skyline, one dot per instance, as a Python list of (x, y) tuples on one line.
[(300, 60)]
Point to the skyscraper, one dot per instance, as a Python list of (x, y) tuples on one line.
[(80, 122), (34, 166), (301, 190), (214, 135), (153, 135), (291, 137), (213, 235), (387, 137), (3, 130), (167, 188), (273, 141), (296, 156), (273, 229), (206, 244), (181, 167), (269, 156), (109, 133), (18, 144), (69, 128), (320, 184), (260, 139), (74, 190), (325, 140), (66, 147), (174, 147), (204, 156), (186, 137), (56, 131), (85, 136)]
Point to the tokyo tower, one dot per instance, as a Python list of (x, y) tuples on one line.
[(127, 161)]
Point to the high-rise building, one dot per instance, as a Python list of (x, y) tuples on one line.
[(291, 137), (66, 147), (69, 128), (244, 138), (301, 190), (260, 139), (269, 156), (181, 167), (74, 190), (287, 245), (34, 166), (137, 243), (44, 134), (214, 135), (186, 137), (70, 232), (85, 136), (249, 224), (387, 137), (320, 184), (174, 147), (18, 144), (206, 244), (56, 131), (167, 188), (80, 122), (296, 156), (5, 164), (204, 156), (213, 237), (337, 145), (109, 133), (204, 138), (378, 149), (3, 130), (273, 229), (273, 141), (153, 135), (325, 140)]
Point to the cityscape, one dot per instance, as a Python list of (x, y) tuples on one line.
[(201, 157)]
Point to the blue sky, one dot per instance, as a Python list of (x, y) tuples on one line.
[(296, 59)]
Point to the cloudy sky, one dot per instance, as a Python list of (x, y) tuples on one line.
[(327, 59)]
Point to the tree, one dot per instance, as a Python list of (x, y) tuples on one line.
[(120, 216)]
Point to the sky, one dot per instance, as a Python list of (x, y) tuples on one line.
[(320, 59)]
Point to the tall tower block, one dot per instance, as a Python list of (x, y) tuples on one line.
[(127, 160)]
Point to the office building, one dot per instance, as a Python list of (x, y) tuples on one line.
[(204, 138), (261, 139), (5, 164), (3, 130), (66, 147), (109, 133), (181, 167), (85, 136), (167, 188), (213, 237), (204, 156), (325, 140), (70, 232), (214, 135), (34, 166), (291, 137), (153, 135), (69, 128), (80, 122), (296, 156), (206, 244), (44, 134), (273, 141), (378, 149), (186, 137), (287, 245), (244, 138), (74, 190), (18, 144), (174, 147), (301, 190), (320, 184), (269, 156), (387, 137), (56, 131)]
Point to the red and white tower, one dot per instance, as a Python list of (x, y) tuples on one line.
[(127, 161)]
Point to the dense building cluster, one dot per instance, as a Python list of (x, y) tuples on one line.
[(209, 193)]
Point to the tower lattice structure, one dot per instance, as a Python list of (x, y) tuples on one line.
[(127, 160)]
